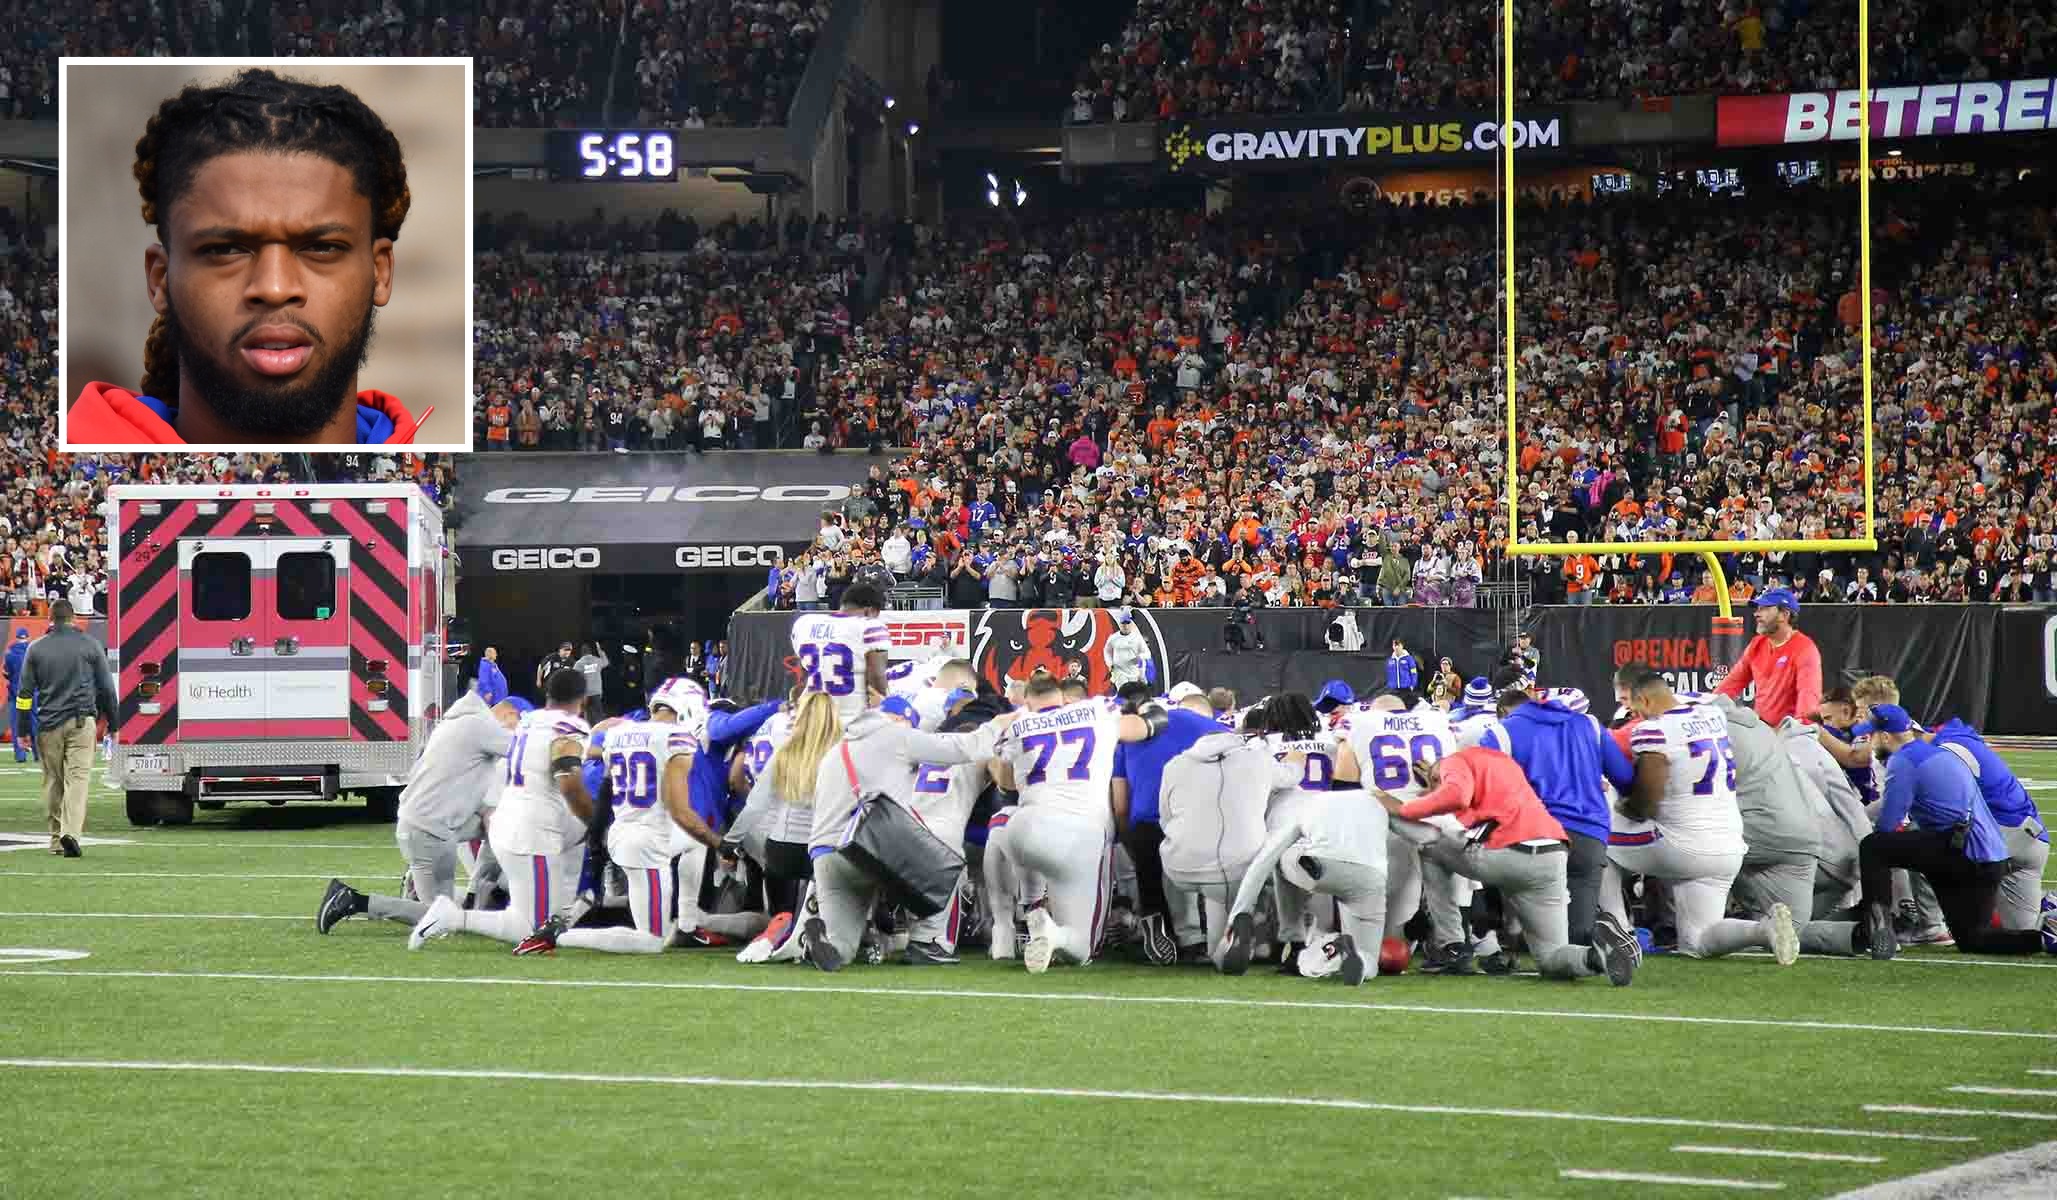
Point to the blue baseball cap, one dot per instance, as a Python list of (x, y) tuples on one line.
[(1779, 598), (522, 706), (901, 706), (22, 634), (958, 696), (1334, 694), (1885, 718), (1479, 691)]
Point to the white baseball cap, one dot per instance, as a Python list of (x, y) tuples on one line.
[(1185, 691)]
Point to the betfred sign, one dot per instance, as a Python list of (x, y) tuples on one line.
[(1934, 110), (920, 636)]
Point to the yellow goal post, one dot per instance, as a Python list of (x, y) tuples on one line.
[(1708, 550)]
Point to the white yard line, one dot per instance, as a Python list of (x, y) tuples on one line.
[(1973, 1090), (2036, 962), (159, 844), (1759, 1152), (2041, 1071), (1740, 1185), (1053, 997), (1924, 1111), (945, 1089), (137, 916), (61, 873)]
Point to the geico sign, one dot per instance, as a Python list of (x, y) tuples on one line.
[(548, 558), (729, 556), (720, 493)]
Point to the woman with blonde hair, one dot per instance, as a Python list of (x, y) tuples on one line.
[(778, 818)]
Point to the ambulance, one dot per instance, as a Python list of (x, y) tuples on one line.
[(273, 643)]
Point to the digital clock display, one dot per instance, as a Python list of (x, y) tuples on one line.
[(635, 155)]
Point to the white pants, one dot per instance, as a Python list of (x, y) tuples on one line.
[(1064, 862), (650, 898), (946, 820), (1699, 894), (2021, 891), (537, 885)]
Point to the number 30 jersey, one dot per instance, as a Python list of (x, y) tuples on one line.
[(643, 833), (1698, 812), (1388, 744), (1063, 757), (831, 649)]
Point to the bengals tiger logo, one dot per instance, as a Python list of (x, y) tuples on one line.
[(1012, 643)]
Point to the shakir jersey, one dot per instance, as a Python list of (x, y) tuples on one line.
[(1698, 811), (1063, 757), (1317, 773), (1388, 744), (831, 649), (532, 817)]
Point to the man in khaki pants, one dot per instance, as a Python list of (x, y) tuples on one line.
[(66, 675)]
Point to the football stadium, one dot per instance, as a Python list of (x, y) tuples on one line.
[(1301, 597)]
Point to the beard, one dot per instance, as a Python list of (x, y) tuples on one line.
[(287, 409)]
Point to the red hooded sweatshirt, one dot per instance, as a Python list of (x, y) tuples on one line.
[(108, 415)]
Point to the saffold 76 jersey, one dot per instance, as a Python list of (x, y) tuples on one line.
[(831, 649), (1698, 811), (1389, 744), (1063, 757)]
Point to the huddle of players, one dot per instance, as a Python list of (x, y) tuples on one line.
[(1329, 830)]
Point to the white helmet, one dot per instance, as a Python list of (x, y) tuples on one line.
[(685, 697)]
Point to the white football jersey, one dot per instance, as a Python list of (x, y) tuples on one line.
[(532, 817), (1388, 744), (637, 754), (1317, 773), (1474, 727), (1698, 811), (944, 796), (1063, 757), (763, 744), (831, 648)]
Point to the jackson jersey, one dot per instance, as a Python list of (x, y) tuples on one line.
[(1698, 810), (831, 649), (532, 817), (637, 755), (1063, 758), (1388, 744)]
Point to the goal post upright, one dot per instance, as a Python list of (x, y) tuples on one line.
[(1708, 550)]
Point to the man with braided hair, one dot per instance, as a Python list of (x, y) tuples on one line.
[(276, 204)]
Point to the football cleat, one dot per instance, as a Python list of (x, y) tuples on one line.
[(1158, 944), (1785, 940), (543, 940), (928, 954), (760, 947), (441, 920), (1453, 959), (1878, 926), (1042, 943), (815, 945), (1242, 937), (1614, 925), (694, 939), (1617, 951), (1350, 961), (1499, 962), (338, 902), (2049, 926)]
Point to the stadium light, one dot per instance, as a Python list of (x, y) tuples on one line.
[(992, 180), (1020, 194), (913, 127), (890, 102), (993, 197), (1894, 153)]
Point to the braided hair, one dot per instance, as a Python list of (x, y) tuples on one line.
[(258, 110)]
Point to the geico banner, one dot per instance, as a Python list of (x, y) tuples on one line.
[(1932, 110), (633, 558), (1284, 143)]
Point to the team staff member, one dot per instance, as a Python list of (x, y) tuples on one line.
[(2028, 842), (65, 673), (1783, 662), (1956, 844), (1214, 801), (1515, 845), (1138, 778), (20, 720), (1565, 756)]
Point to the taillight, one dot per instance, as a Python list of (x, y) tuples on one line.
[(150, 684), (375, 671)]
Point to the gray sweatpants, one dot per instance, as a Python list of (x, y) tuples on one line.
[(1215, 891), (844, 896), (2021, 891), (1802, 887), (1358, 887), (431, 865), (1533, 888)]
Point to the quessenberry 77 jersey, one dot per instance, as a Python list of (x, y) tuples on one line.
[(1389, 744), (1063, 758), (1698, 811), (831, 649)]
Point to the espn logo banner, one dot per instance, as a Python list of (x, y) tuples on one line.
[(921, 635), (1935, 110)]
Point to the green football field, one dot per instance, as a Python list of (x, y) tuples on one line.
[(196, 1036)]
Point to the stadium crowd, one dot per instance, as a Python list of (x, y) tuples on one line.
[(1146, 410), (1187, 58)]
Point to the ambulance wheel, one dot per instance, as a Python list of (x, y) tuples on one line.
[(174, 808), (143, 809), (382, 803)]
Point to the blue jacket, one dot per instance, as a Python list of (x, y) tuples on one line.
[(1402, 672), (492, 684), (2005, 798), (709, 776), (17, 654), (1565, 755), (1934, 787), (1142, 763)]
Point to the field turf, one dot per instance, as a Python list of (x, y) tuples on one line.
[(209, 1042)]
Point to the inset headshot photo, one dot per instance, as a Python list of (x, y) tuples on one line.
[(264, 253)]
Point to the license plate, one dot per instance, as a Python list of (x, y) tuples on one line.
[(156, 764)]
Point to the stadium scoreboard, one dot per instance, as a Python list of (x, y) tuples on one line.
[(613, 155)]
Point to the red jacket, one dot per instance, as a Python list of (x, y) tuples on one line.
[(1481, 784), (1788, 678), (108, 415)]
